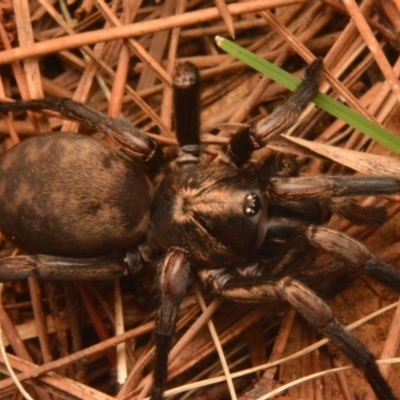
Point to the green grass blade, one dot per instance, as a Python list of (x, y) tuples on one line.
[(337, 109)]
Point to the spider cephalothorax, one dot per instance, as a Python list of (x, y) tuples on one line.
[(198, 205), (247, 232)]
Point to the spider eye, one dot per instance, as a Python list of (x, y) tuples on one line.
[(251, 204)]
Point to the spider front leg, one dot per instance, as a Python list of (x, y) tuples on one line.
[(246, 141), (334, 190), (311, 307), (174, 281)]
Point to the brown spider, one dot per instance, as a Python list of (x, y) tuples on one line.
[(247, 232)]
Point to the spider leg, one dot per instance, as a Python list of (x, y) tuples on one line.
[(62, 268), (318, 313), (244, 142), (174, 281), (326, 187), (333, 190), (186, 90), (358, 214), (313, 309), (120, 130), (355, 255)]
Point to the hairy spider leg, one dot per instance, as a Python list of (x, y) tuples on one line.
[(326, 187), (174, 281), (186, 90), (356, 258), (174, 272), (54, 268), (135, 143), (332, 188), (246, 141)]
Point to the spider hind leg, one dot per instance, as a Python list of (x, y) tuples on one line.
[(353, 256)]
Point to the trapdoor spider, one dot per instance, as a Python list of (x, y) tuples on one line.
[(83, 210)]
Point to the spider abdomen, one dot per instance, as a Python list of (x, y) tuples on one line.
[(71, 195)]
